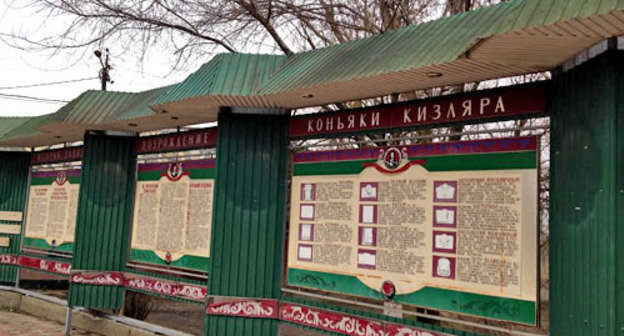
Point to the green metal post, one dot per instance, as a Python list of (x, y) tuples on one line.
[(248, 223), (103, 220), (13, 189), (587, 199)]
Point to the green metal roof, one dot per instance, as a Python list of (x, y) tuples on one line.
[(227, 74), (430, 43), (137, 105), (510, 38), (28, 128), (89, 109), (8, 124), (92, 107)]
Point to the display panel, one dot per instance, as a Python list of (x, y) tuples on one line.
[(449, 226), (52, 209), (173, 214)]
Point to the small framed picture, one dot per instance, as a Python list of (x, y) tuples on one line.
[(306, 232), (444, 267), (306, 212), (368, 236), (369, 191), (367, 259), (445, 191), (308, 192), (368, 213), (304, 252), (445, 216), (445, 242)]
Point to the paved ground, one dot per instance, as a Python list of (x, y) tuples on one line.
[(14, 324)]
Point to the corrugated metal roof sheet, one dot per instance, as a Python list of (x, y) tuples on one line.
[(91, 107), (430, 43), (89, 110), (11, 123), (137, 106), (510, 38), (226, 74), (27, 128)]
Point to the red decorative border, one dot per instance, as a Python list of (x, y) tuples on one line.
[(98, 278), (56, 155), (51, 266), (176, 141), (7, 259), (424, 150), (329, 321), (260, 308), (401, 330), (480, 105), (166, 288)]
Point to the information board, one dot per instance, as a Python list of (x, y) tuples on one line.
[(173, 214), (52, 208), (450, 226)]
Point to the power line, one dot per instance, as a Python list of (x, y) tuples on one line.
[(46, 84), (32, 99)]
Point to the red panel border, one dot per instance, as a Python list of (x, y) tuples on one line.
[(260, 308), (177, 141), (51, 266), (56, 155), (495, 104), (97, 278)]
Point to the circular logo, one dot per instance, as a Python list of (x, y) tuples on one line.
[(387, 289), (175, 170), (61, 178), (392, 158)]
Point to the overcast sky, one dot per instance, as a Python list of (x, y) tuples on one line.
[(18, 67)]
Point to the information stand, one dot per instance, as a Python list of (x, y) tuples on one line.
[(171, 221), (50, 219)]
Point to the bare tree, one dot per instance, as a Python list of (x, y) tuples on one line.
[(191, 29)]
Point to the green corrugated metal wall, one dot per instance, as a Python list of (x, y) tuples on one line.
[(13, 186), (587, 157), (103, 220), (248, 222)]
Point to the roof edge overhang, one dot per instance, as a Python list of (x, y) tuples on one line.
[(509, 39)]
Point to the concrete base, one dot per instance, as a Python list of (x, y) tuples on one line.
[(55, 310)]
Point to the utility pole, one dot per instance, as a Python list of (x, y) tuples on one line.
[(106, 67)]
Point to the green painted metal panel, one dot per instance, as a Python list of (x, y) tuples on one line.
[(248, 221), (619, 185), (103, 220), (585, 256), (13, 186)]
